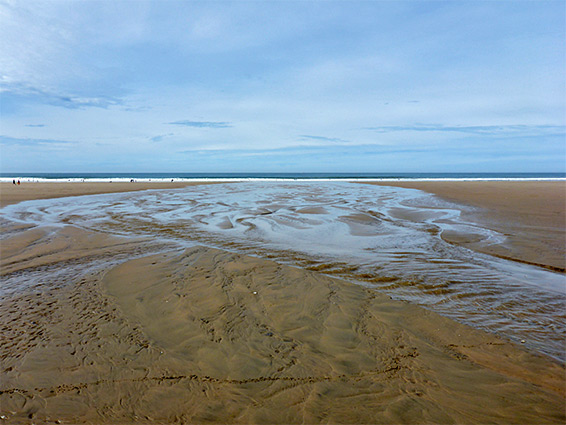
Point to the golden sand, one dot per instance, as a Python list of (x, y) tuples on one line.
[(531, 214), (205, 335), (11, 194)]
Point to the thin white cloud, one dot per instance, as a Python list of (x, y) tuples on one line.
[(324, 139), (202, 124), (508, 130), (30, 142)]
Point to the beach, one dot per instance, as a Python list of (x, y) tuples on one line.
[(531, 213), (13, 193), (136, 315)]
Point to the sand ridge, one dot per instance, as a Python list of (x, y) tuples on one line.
[(206, 335)]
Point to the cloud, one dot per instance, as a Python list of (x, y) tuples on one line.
[(323, 139), (56, 98), (203, 124), (302, 150), (27, 142), (319, 81), (475, 129), (160, 137)]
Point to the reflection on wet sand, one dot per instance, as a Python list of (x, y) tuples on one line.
[(376, 236)]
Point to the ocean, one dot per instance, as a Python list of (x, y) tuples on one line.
[(229, 177)]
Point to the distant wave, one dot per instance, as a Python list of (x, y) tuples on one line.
[(239, 177)]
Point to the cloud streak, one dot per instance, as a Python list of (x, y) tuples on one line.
[(31, 142), (160, 137), (474, 129), (56, 98), (202, 124), (324, 139)]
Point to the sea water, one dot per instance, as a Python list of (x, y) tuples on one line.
[(234, 177)]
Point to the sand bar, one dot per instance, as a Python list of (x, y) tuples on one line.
[(532, 214), (11, 194)]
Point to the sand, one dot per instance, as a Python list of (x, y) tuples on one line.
[(11, 194), (207, 335), (115, 330), (532, 215)]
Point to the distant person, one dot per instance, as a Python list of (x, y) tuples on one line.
[(18, 182), (14, 181)]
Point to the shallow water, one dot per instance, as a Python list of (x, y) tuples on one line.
[(371, 235)]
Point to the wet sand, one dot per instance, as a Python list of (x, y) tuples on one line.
[(531, 214), (11, 194), (205, 335), (116, 330)]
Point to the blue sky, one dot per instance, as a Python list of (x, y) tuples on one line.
[(343, 86)]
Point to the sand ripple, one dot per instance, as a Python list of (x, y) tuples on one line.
[(368, 234), (205, 335)]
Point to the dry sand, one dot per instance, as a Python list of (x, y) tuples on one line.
[(532, 214), (205, 335)]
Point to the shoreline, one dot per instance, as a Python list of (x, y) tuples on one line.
[(276, 179)]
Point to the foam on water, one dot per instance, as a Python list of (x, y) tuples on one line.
[(371, 235)]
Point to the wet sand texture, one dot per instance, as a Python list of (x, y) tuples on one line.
[(356, 232), (11, 194), (205, 335), (532, 214)]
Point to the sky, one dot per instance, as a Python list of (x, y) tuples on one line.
[(282, 86)]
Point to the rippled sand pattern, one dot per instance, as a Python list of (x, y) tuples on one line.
[(368, 234)]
